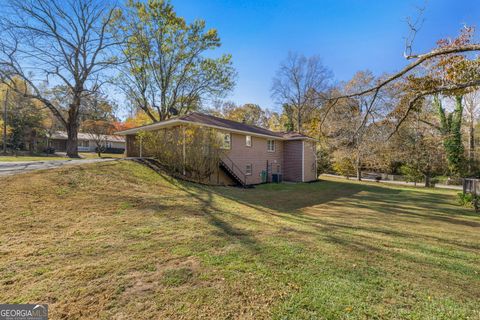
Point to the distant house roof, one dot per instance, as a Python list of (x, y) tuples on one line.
[(62, 135), (197, 118)]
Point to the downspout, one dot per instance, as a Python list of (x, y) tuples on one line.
[(141, 146)]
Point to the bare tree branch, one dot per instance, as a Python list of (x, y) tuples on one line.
[(60, 42), (440, 89)]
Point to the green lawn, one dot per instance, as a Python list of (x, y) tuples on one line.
[(116, 240), (84, 155)]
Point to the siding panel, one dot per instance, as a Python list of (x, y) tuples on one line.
[(310, 161), (293, 160)]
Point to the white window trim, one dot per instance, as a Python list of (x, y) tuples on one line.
[(274, 145), (251, 169), (248, 138), (229, 141)]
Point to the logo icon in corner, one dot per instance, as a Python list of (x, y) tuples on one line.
[(23, 312)]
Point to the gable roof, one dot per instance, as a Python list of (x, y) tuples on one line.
[(201, 119), (227, 124)]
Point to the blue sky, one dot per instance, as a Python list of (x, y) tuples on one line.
[(349, 35)]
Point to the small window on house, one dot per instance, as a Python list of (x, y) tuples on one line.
[(248, 169), (227, 142), (248, 141), (271, 145), (86, 143)]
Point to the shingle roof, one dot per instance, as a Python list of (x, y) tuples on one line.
[(228, 124), (62, 135), (212, 121)]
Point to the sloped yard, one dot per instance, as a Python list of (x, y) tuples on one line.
[(115, 240)]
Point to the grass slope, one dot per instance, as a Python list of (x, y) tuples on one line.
[(115, 240)]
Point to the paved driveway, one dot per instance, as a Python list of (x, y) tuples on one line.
[(9, 168)]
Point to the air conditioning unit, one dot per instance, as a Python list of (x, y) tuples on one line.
[(277, 177)]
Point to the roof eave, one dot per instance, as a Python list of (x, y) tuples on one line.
[(302, 138), (149, 127), (173, 122)]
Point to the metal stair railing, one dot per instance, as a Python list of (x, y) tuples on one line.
[(235, 170)]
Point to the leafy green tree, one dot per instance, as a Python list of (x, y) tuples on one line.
[(25, 117), (166, 69), (344, 166), (450, 128), (411, 173)]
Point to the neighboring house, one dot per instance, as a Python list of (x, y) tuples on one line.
[(253, 155), (87, 142)]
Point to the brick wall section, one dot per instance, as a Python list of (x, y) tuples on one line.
[(256, 155), (310, 162), (292, 154), (132, 145)]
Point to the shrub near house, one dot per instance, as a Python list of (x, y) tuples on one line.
[(189, 151)]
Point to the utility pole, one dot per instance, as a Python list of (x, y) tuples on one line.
[(5, 123)]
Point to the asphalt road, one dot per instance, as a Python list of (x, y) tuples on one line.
[(11, 168), (438, 185)]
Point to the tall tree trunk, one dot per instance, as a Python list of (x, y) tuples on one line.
[(72, 139), (359, 168), (358, 163), (427, 181), (72, 128), (299, 121)]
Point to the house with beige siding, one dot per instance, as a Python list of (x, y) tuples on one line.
[(253, 155)]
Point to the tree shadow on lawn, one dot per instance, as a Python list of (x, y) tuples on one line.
[(293, 198), (392, 233), (384, 205), (204, 196), (417, 205), (368, 236), (290, 198), (297, 202), (289, 201)]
